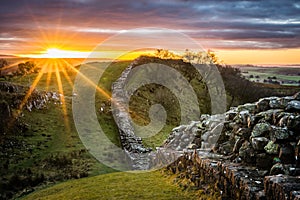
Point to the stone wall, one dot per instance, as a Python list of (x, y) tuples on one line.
[(13, 98), (132, 145), (249, 152), (255, 155)]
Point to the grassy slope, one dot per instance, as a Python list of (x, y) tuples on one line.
[(49, 136), (120, 185), (48, 132), (49, 123)]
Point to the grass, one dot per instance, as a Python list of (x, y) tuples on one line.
[(285, 74), (52, 143), (120, 185), (48, 132)]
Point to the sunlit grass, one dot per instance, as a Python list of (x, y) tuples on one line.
[(120, 185)]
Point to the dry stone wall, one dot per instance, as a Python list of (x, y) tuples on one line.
[(249, 152), (256, 155)]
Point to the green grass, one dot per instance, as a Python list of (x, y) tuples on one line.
[(120, 185), (281, 73), (48, 132)]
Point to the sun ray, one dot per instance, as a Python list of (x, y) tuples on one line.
[(62, 98), (14, 64), (29, 92), (102, 91), (66, 75), (49, 76)]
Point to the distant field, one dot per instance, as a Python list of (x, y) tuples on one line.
[(277, 75)]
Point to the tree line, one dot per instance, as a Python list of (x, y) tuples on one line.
[(24, 68)]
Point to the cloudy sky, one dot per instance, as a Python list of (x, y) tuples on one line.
[(256, 31)]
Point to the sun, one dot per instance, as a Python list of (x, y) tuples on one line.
[(54, 53)]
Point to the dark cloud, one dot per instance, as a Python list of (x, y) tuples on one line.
[(252, 24)]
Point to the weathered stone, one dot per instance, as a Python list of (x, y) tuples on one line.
[(242, 117), (281, 187), (246, 152), (252, 120), (258, 143), (237, 145), (261, 129), (263, 105), (287, 154), (297, 96), (275, 103), (272, 148), (244, 132), (279, 133), (293, 106), (230, 115), (251, 107), (226, 148), (293, 123), (277, 169), (264, 161), (268, 115)]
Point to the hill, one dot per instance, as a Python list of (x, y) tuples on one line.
[(120, 185), (48, 149)]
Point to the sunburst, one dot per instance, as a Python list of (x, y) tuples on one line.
[(54, 69)]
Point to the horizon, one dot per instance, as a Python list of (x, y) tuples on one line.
[(238, 32)]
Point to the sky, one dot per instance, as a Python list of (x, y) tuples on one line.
[(239, 32)]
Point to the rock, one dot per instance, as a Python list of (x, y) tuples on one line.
[(237, 145), (279, 133), (251, 121), (262, 105), (244, 132), (272, 148), (275, 103), (226, 148), (268, 116), (277, 169), (258, 143), (293, 106), (264, 161), (293, 123), (246, 152), (287, 154), (230, 115), (251, 107), (261, 129), (242, 117), (297, 96)]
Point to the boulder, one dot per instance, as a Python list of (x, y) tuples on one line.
[(258, 143), (297, 96), (263, 105), (261, 129), (244, 132), (287, 154), (279, 133), (246, 152), (272, 148), (277, 169), (251, 107), (264, 161), (293, 106)]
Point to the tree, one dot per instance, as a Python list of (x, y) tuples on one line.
[(201, 57), (26, 68), (3, 64), (165, 54)]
